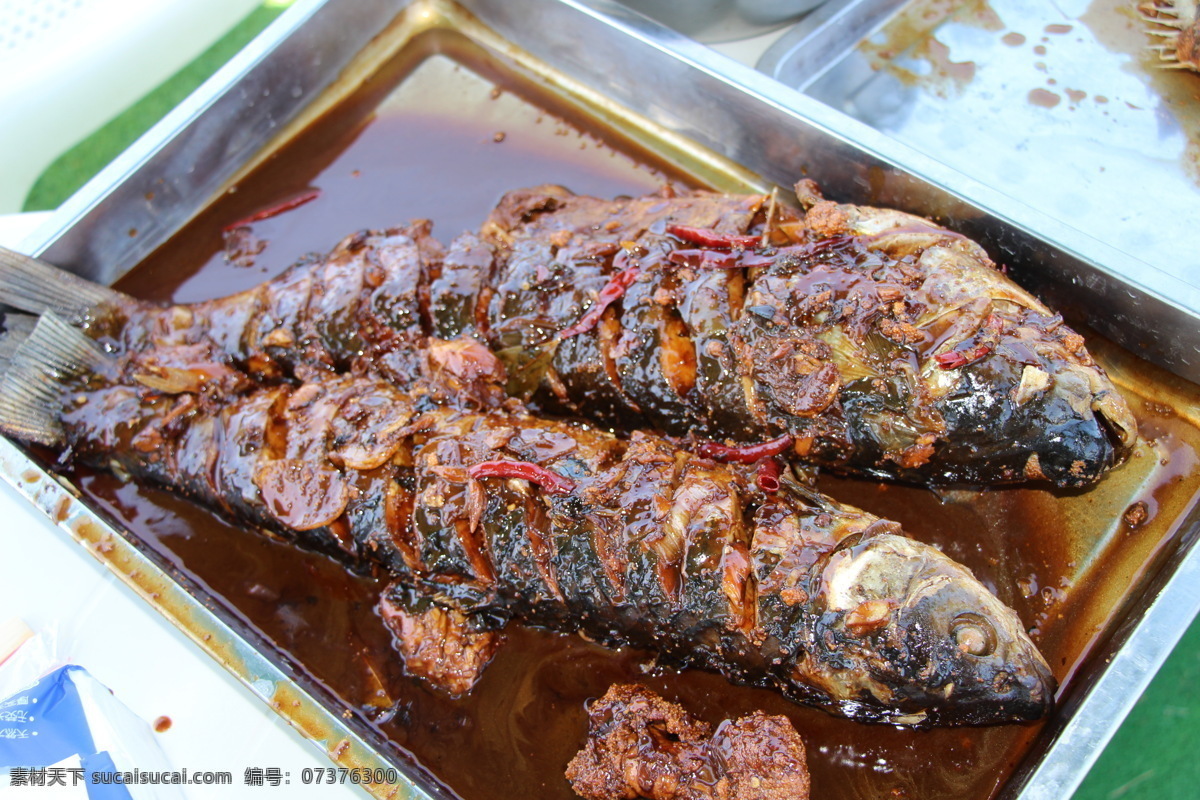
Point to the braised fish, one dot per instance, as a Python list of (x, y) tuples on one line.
[(496, 515), (883, 344), (880, 343)]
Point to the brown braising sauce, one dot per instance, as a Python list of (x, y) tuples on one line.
[(1045, 553)]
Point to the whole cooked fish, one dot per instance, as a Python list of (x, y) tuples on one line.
[(495, 515), (880, 343)]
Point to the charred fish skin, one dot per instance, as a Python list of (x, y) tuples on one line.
[(998, 391), (499, 515), (650, 360), (672, 553), (1019, 393), (886, 345)]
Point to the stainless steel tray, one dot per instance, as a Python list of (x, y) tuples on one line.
[(723, 123), (1058, 107)]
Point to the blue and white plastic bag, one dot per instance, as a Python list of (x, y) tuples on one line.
[(66, 737)]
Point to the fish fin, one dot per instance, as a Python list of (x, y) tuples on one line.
[(37, 287), (43, 361), (17, 328)]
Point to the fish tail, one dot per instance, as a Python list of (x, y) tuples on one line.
[(36, 287), (17, 328), (44, 357)]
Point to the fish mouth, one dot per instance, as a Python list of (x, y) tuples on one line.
[(1025, 694), (999, 690), (1011, 696)]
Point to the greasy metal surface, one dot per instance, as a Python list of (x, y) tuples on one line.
[(700, 100), (1153, 619), (807, 50), (724, 20), (1092, 133), (1139, 649), (1056, 105)]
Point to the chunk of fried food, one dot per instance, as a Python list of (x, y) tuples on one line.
[(438, 643), (640, 745)]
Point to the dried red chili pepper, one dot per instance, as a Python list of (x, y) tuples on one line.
[(612, 291), (710, 238), (746, 454), (953, 359), (706, 259), (551, 482), (768, 475), (295, 201)]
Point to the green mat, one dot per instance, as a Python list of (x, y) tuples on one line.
[(75, 167), (1151, 755)]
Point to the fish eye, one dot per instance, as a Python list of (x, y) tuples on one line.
[(973, 635)]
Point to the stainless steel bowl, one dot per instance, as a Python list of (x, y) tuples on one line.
[(723, 20)]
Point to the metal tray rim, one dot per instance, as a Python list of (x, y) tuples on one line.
[(76, 207), (1149, 639), (199, 622)]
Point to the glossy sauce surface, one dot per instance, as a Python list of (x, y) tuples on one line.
[(1063, 560)]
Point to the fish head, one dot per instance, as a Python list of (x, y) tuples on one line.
[(1057, 420), (904, 634), (1027, 401), (1003, 390)]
